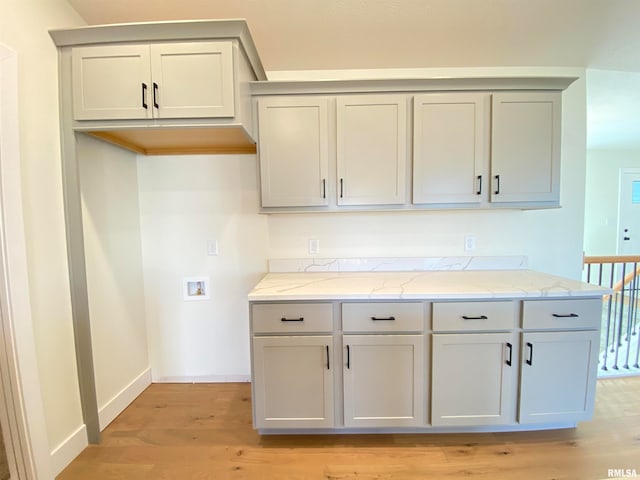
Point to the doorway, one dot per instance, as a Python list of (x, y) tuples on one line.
[(629, 212)]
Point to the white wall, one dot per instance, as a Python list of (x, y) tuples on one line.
[(111, 220), (184, 202), (552, 239), (23, 418), (24, 26), (601, 200)]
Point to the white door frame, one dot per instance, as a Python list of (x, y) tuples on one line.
[(623, 171), (21, 407)]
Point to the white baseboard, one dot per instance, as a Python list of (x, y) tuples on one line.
[(69, 449), (205, 379), (114, 407)]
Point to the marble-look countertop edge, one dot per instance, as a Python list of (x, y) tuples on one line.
[(421, 287), (430, 297)]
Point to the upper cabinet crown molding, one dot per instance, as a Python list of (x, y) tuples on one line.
[(410, 85)]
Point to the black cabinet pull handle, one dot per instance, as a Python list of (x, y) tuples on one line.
[(144, 96), (324, 188), (565, 315), (497, 177), (301, 319), (529, 361), (328, 364), (481, 317), (155, 95), (341, 188), (382, 318), (348, 357), (479, 191), (510, 347)]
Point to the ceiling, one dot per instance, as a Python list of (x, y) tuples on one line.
[(368, 34)]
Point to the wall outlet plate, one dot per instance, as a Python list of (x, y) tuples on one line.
[(212, 247), (469, 243), (314, 246)]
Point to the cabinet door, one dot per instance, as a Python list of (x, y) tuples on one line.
[(371, 149), (111, 82), (450, 137), (383, 380), (293, 151), (293, 382), (558, 376), (473, 378), (525, 148), (193, 79)]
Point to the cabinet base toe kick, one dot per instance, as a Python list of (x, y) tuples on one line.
[(417, 430)]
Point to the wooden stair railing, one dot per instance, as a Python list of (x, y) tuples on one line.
[(620, 333), (616, 259)]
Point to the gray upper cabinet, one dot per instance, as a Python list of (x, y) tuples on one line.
[(293, 151), (487, 148), (525, 147), (167, 88), (299, 140), (371, 149), (450, 148), (165, 80), (465, 143), (111, 82)]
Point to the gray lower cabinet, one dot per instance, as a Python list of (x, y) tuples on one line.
[(293, 382), (292, 367), (559, 362), (472, 379), (384, 364), (475, 365), (473, 368), (558, 376), (383, 380)]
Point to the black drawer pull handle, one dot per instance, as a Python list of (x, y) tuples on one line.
[(328, 364), (155, 95), (479, 191), (529, 361), (510, 347), (497, 191), (382, 318), (481, 317), (348, 357), (144, 96), (565, 315), (301, 319)]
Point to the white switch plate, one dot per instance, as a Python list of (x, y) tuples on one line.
[(314, 246), (469, 243), (212, 247)]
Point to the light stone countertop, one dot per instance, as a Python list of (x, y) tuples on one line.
[(431, 285)]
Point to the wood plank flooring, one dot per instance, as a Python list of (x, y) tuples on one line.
[(203, 431)]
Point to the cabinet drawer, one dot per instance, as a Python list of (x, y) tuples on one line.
[(562, 314), (382, 317), (292, 317), (473, 316)]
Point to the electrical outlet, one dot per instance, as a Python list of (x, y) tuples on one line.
[(469, 243), (314, 246)]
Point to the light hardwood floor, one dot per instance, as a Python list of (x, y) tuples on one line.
[(203, 431)]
